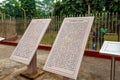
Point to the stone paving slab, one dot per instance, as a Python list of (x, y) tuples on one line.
[(91, 68)]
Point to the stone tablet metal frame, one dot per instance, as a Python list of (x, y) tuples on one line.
[(66, 54), (25, 52)]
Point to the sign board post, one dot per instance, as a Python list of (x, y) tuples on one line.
[(113, 49), (66, 54), (25, 52), (113, 68), (32, 67)]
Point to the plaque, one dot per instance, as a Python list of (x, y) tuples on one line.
[(66, 54), (28, 44), (1, 38), (110, 48)]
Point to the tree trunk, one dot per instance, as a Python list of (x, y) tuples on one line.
[(118, 27), (88, 9), (88, 3)]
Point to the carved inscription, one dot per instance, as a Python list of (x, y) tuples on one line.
[(30, 40), (67, 51)]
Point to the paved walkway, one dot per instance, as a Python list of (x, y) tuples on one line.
[(91, 68)]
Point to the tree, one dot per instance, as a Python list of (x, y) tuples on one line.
[(103, 5), (97, 6), (11, 8), (1, 11), (88, 4), (70, 7), (73, 7), (112, 5), (44, 7), (28, 7), (58, 8)]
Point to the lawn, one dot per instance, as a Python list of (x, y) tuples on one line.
[(108, 37), (49, 38)]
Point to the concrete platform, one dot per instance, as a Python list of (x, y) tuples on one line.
[(91, 68)]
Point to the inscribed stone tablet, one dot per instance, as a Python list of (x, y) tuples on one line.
[(67, 51), (29, 42), (110, 48)]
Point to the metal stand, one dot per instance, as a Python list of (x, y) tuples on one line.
[(112, 68), (66, 78), (32, 71)]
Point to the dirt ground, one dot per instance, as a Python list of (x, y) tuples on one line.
[(91, 68)]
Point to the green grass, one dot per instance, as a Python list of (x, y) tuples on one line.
[(108, 37), (113, 37), (49, 38)]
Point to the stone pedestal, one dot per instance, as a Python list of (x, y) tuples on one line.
[(32, 72), (65, 78)]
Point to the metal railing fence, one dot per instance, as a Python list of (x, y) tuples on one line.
[(109, 21)]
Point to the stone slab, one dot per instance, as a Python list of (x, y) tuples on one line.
[(110, 48), (66, 54), (28, 44)]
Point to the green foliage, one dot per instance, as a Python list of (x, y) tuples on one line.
[(29, 7), (74, 7), (45, 7), (97, 6), (113, 6), (36, 8), (11, 8), (58, 8), (70, 7)]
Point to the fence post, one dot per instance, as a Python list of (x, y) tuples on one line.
[(118, 26)]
